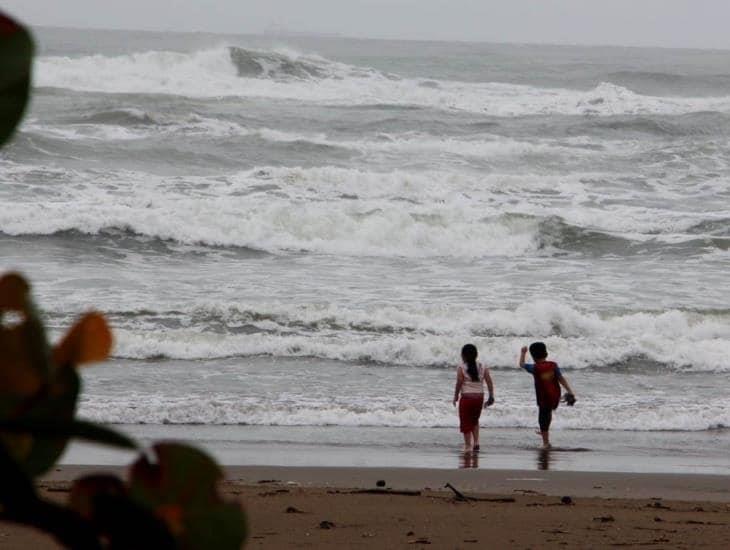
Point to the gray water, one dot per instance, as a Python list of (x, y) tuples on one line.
[(302, 232)]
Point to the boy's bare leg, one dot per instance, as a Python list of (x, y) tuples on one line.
[(544, 419)]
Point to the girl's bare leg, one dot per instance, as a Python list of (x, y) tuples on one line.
[(468, 442), (475, 435)]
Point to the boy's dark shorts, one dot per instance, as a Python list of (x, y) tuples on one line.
[(545, 418)]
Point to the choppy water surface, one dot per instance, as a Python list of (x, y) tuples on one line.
[(304, 232)]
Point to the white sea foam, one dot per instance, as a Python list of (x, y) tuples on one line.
[(343, 211), (510, 412), (484, 146), (398, 336), (585, 344), (212, 73), (81, 132)]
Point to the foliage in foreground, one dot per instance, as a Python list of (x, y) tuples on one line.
[(170, 499)]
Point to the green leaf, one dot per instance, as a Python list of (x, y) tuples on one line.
[(85, 490), (20, 503), (58, 405), (16, 53), (24, 361), (181, 488), (104, 501), (37, 397)]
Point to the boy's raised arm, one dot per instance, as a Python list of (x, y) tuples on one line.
[(523, 354)]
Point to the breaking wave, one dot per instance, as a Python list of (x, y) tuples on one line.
[(289, 75), (514, 412), (428, 336), (350, 212)]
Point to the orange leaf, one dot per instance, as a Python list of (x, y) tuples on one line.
[(88, 340)]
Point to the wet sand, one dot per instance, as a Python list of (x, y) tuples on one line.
[(416, 448), (327, 508)]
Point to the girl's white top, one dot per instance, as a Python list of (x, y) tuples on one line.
[(469, 385)]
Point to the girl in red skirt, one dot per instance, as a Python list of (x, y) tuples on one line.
[(470, 379)]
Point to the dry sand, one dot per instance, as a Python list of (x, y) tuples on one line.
[(326, 508)]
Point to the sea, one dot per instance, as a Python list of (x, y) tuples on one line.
[(293, 236)]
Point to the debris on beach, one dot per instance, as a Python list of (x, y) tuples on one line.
[(458, 494), (385, 492)]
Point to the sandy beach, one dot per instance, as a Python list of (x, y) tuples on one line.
[(344, 507)]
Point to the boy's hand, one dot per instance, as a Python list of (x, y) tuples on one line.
[(523, 351)]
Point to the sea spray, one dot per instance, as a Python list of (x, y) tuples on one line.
[(226, 71)]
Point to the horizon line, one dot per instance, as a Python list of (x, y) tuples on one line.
[(325, 35)]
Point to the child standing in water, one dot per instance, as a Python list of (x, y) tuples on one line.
[(548, 380), (469, 392)]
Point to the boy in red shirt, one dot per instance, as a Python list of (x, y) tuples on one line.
[(548, 380)]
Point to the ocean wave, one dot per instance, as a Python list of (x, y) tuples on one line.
[(296, 228), (659, 82), (714, 228), (160, 126), (352, 212), (121, 117), (642, 125), (78, 132), (552, 236), (287, 64), (692, 124), (652, 76), (288, 75), (484, 147), (510, 412), (395, 335), (507, 235)]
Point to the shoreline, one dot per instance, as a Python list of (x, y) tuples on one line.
[(430, 448)]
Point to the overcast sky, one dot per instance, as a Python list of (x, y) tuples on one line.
[(668, 23)]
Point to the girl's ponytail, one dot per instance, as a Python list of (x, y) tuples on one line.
[(469, 355)]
